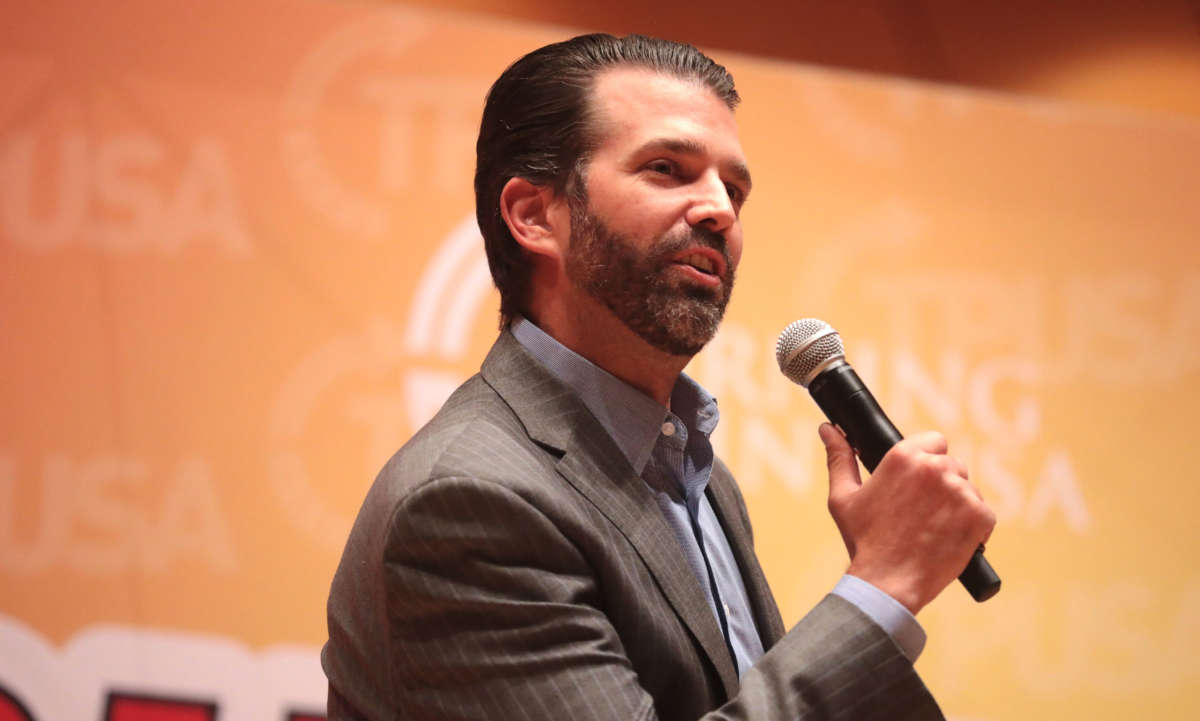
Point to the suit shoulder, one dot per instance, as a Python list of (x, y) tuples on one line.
[(475, 434)]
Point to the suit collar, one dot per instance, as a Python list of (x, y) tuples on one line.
[(632, 418), (591, 462)]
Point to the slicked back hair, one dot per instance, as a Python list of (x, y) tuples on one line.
[(537, 126)]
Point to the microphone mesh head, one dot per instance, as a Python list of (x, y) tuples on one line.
[(806, 346)]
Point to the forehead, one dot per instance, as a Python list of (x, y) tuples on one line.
[(630, 105)]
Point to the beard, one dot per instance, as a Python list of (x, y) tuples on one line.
[(639, 286)]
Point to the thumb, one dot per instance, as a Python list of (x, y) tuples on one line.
[(844, 478)]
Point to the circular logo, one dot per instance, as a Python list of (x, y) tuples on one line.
[(372, 388)]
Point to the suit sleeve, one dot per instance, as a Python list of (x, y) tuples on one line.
[(493, 613)]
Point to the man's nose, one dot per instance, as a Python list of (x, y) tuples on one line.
[(712, 207)]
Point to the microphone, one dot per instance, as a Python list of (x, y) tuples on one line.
[(810, 353)]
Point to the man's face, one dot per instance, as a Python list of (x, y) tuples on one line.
[(658, 238)]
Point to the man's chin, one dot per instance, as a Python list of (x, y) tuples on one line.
[(685, 334)]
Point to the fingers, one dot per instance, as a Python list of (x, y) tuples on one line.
[(930, 450), (929, 441), (911, 528), (990, 524), (951, 466), (935, 444), (844, 478)]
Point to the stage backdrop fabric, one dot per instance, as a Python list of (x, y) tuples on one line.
[(240, 268)]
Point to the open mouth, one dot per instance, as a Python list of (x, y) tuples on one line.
[(700, 262)]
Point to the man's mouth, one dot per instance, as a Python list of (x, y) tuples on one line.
[(706, 263), (700, 262)]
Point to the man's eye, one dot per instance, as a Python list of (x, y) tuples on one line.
[(735, 193), (662, 167)]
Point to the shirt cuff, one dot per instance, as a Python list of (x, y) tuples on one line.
[(887, 612)]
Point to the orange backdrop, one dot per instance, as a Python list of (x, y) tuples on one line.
[(240, 268)]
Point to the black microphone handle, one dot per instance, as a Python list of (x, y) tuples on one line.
[(848, 404)]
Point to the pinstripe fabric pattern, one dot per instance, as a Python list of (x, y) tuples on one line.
[(509, 564)]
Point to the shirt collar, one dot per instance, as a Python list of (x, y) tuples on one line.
[(633, 419)]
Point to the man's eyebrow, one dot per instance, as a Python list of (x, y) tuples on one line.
[(687, 146)]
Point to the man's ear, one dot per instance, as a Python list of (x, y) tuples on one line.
[(535, 217)]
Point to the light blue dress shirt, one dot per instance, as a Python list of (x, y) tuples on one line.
[(671, 451)]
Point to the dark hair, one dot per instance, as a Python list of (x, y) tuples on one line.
[(536, 126)]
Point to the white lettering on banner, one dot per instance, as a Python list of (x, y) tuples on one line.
[(768, 449), (737, 365), (72, 683), (941, 402), (1121, 328), (983, 402), (953, 396), (102, 195), (981, 312), (94, 515), (1132, 327), (449, 108), (960, 395), (1123, 639), (990, 408), (1053, 495), (426, 123), (1058, 488)]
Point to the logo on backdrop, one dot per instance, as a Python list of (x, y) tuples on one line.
[(369, 120), (381, 382), (984, 394), (111, 513), (83, 165), (375, 386)]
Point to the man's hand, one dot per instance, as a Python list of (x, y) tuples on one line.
[(913, 526)]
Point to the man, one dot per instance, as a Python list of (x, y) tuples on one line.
[(560, 542)]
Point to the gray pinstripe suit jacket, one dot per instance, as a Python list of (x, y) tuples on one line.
[(509, 564)]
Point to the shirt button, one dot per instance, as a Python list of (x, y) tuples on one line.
[(668, 429)]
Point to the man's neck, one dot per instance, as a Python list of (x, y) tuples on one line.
[(599, 336)]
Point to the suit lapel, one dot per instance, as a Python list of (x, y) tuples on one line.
[(731, 513), (593, 464)]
